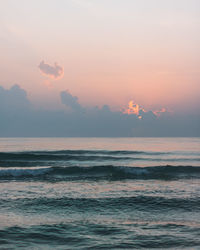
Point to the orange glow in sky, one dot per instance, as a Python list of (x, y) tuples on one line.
[(133, 108), (159, 112)]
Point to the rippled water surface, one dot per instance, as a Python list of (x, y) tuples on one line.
[(99, 193)]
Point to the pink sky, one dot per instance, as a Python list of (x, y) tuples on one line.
[(111, 51)]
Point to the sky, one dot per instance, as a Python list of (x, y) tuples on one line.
[(127, 55)]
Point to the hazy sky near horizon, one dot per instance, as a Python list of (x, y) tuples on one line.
[(106, 51)]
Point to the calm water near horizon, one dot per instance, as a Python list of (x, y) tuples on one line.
[(99, 193)]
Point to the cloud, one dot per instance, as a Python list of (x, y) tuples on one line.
[(14, 111), (141, 113), (133, 108), (70, 101), (13, 99), (19, 118), (54, 72)]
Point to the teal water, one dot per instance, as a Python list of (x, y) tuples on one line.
[(99, 193)]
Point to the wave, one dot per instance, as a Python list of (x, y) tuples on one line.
[(142, 202), (107, 171), (17, 172), (85, 155), (83, 152), (78, 155), (95, 235)]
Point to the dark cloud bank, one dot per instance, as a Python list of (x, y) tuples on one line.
[(19, 118)]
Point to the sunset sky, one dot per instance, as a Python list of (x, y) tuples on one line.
[(103, 51)]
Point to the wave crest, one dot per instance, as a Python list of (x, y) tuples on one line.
[(108, 171)]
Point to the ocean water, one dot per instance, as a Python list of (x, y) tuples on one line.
[(100, 193)]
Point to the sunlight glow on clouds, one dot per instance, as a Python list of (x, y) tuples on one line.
[(133, 108), (160, 112), (136, 109)]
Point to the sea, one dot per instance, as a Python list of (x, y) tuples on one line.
[(99, 193)]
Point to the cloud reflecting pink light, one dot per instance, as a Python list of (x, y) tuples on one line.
[(55, 72)]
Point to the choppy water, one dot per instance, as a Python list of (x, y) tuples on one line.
[(83, 193)]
